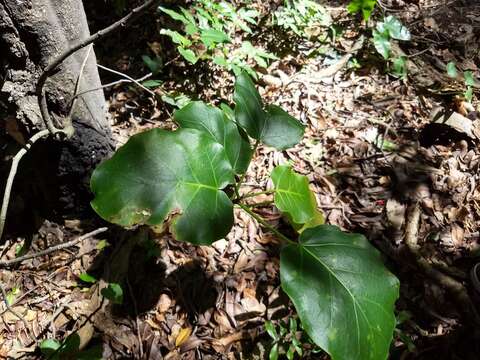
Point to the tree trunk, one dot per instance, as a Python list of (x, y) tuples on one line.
[(55, 175)]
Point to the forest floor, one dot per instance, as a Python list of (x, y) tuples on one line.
[(371, 150)]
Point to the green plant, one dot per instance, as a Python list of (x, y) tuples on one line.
[(288, 339), (386, 30), (208, 28), (190, 179), (364, 6), (467, 78), (113, 292), (69, 348), (306, 18)]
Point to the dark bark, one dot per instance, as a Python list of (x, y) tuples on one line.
[(55, 175)]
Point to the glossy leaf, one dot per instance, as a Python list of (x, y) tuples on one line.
[(452, 69), (273, 355), (272, 126), (160, 174), (281, 130), (113, 292), (87, 278), (400, 67), (468, 76), (211, 37), (188, 55), (364, 6), (342, 292), (175, 15), (270, 328), (382, 44), (176, 37), (214, 123), (248, 106), (294, 198), (394, 28), (49, 346)]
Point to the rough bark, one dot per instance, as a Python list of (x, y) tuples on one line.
[(32, 33)]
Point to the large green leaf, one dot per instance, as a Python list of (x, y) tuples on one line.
[(274, 127), (281, 130), (248, 106), (159, 174), (294, 198), (342, 292), (212, 121)]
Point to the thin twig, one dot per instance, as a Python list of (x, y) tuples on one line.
[(112, 84), (127, 77), (79, 81), (13, 312), (13, 172), (25, 294), (137, 323), (265, 224), (6, 263), (52, 67), (454, 287)]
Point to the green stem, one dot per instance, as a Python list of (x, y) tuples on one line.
[(266, 192), (266, 224), (263, 203), (239, 183)]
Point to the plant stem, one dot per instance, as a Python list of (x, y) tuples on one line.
[(263, 203), (239, 183), (266, 192), (266, 224)]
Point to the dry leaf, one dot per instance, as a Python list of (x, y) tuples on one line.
[(458, 235), (164, 303), (395, 213), (183, 336)]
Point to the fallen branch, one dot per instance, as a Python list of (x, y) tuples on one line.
[(52, 67), (454, 287), (7, 263)]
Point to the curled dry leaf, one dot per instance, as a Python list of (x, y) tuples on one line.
[(183, 336)]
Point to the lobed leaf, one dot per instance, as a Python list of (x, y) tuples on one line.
[(342, 292), (214, 123), (160, 174)]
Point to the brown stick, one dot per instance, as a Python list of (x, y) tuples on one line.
[(7, 305), (7, 263), (454, 287), (51, 68)]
